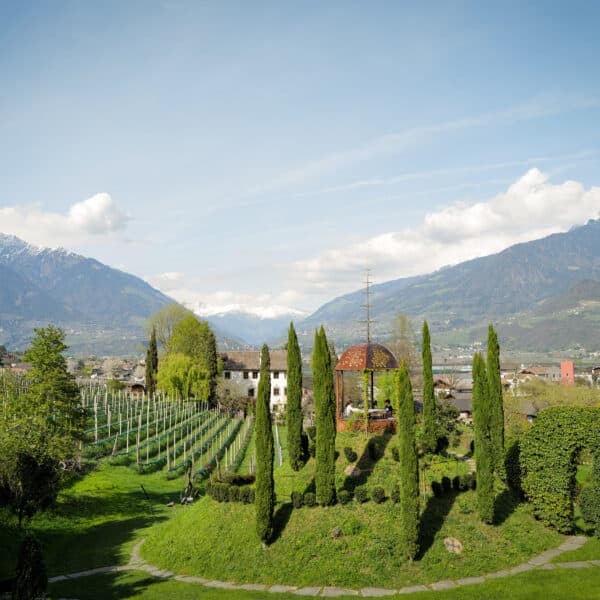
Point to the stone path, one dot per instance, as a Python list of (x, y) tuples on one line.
[(542, 561)]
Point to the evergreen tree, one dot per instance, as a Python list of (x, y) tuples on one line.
[(294, 401), (265, 452), (409, 465), (429, 425), (324, 398), (483, 442), (496, 403), (151, 364)]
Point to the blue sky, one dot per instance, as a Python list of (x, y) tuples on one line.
[(261, 155)]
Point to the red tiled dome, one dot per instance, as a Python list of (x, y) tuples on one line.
[(372, 356)]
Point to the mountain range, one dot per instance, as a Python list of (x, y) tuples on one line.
[(542, 295)]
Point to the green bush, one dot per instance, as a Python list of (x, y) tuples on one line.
[(351, 456), (378, 494), (344, 496), (464, 482), (312, 449), (589, 503), (395, 495), (310, 499), (465, 505), (234, 493), (396, 453), (311, 431), (297, 499), (361, 494), (246, 495), (239, 478)]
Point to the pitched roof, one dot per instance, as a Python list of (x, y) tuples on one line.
[(371, 356), (249, 360)]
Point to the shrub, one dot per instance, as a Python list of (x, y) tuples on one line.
[(344, 496), (361, 494), (312, 449), (465, 505), (351, 456), (589, 502), (234, 493), (456, 483), (310, 499), (246, 495), (395, 495), (311, 431), (436, 488), (297, 499), (396, 453), (446, 485), (374, 449), (239, 478), (219, 491), (378, 494), (464, 482)]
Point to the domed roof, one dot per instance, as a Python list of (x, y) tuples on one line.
[(371, 356)]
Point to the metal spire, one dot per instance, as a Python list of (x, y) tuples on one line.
[(367, 305)]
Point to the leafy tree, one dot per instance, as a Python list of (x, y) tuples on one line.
[(294, 401), (429, 428), (31, 579), (151, 364), (179, 376), (324, 398), (403, 342), (265, 452), (496, 402), (164, 321), (483, 441), (409, 466)]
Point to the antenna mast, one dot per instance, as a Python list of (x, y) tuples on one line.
[(367, 305)]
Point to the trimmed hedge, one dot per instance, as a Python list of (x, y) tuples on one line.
[(548, 461), (589, 502)]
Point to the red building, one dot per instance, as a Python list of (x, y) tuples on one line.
[(567, 372)]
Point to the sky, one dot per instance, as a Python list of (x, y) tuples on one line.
[(260, 156)]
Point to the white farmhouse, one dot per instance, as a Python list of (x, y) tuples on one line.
[(242, 368)]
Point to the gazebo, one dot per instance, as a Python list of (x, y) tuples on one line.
[(368, 359)]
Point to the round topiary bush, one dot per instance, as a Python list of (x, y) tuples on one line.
[(395, 495), (344, 496), (378, 494), (350, 455), (297, 499), (310, 499), (361, 494), (396, 453)]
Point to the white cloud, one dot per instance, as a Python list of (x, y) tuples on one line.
[(531, 208), (94, 218)]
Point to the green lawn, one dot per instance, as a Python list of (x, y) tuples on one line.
[(552, 585)]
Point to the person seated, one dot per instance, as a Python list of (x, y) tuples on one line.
[(388, 408), (350, 409)]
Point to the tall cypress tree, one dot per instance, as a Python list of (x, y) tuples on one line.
[(496, 403), (294, 401), (324, 398), (409, 464), (265, 452), (483, 442), (151, 364), (429, 426)]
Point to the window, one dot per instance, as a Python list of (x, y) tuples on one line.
[(276, 391), (254, 374), (275, 374), (250, 392), (246, 374), (227, 374)]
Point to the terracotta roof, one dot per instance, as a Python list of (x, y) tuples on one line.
[(249, 360), (367, 356)]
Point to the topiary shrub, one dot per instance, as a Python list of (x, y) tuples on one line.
[(239, 478), (344, 496), (310, 499), (378, 494), (234, 493), (396, 453), (361, 494), (446, 485), (589, 503), (395, 495), (350, 455), (246, 495), (297, 499), (436, 488)]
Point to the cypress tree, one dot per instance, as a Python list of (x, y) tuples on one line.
[(496, 403), (483, 443), (265, 452), (151, 364), (294, 401), (324, 398), (409, 465), (429, 426)]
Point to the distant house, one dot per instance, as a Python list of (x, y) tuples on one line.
[(550, 374), (567, 372), (242, 368)]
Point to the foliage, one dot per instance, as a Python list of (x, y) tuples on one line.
[(294, 401), (429, 438), (409, 465), (265, 452), (115, 385), (446, 423), (589, 503), (403, 342), (361, 494), (297, 499), (495, 401), (151, 364), (31, 579), (344, 496), (549, 452), (350, 454), (164, 321), (483, 442), (180, 377), (309, 499), (378, 494), (325, 421), (395, 494), (512, 465)]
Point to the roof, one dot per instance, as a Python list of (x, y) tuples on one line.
[(372, 356), (249, 360)]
